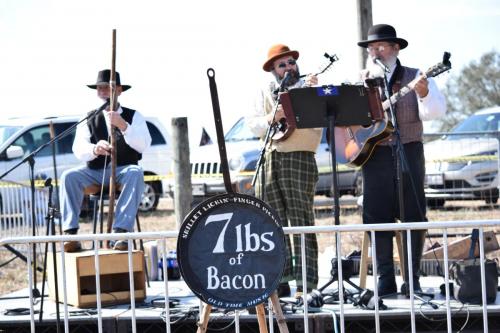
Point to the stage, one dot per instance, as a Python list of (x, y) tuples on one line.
[(184, 309)]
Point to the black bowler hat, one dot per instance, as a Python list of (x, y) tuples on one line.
[(104, 76), (383, 33)]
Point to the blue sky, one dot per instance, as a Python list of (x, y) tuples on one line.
[(52, 48)]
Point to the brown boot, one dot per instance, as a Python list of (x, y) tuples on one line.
[(72, 246)]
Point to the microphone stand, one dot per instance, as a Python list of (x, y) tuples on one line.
[(271, 130), (31, 162), (51, 231), (401, 167)]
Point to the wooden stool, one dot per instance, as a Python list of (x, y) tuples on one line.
[(93, 191), (363, 264)]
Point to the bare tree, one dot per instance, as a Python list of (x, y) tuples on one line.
[(477, 86)]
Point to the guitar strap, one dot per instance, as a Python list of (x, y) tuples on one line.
[(395, 82)]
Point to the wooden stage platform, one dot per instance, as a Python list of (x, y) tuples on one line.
[(184, 309)]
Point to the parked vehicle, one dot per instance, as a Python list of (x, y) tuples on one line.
[(21, 136), (463, 165), (243, 150)]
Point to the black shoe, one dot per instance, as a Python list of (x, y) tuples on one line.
[(405, 288), (284, 290), (387, 286)]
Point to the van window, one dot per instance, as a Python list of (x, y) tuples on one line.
[(65, 144), (34, 138), (156, 136), (38, 136), (6, 132)]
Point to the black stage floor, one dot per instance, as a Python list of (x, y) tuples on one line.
[(150, 315)]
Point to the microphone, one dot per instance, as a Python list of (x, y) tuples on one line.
[(286, 77), (381, 64)]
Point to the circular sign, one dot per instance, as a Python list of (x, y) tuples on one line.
[(231, 251)]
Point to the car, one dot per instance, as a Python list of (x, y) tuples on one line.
[(21, 136), (243, 150), (463, 164)]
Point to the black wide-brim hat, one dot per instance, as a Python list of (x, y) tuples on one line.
[(383, 33), (103, 78)]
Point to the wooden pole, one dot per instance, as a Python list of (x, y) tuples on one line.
[(182, 169), (280, 318), (205, 315), (261, 318), (365, 21), (112, 107)]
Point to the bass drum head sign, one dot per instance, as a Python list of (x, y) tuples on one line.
[(231, 251)]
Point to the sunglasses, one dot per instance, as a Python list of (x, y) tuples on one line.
[(290, 62)]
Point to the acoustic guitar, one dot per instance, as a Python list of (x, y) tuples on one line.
[(355, 144)]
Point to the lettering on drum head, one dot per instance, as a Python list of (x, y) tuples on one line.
[(231, 251)]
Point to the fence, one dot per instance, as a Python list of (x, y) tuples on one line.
[(16, 213), (338, 313)]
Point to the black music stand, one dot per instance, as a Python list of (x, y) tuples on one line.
[(328, 106)]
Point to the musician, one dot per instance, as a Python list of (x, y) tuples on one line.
[(290, 167), (91, 146), (380, 195)]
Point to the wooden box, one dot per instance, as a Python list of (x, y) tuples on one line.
[(81, 277), (460, 248)]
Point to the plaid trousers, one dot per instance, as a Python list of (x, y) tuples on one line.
[(289, 187)]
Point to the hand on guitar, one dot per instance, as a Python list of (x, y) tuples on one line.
[(311, 80), (422, 87)]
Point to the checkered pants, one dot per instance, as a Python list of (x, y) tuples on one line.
[(290, 181)]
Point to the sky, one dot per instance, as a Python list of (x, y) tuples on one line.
[(50, 49)]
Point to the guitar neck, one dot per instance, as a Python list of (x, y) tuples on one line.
[(401, 93)]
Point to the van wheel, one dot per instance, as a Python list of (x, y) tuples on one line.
[(150, 197), (491, 200)]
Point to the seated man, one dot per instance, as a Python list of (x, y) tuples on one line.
[(91, 146)]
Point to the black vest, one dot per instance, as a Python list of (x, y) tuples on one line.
[(125, 155)]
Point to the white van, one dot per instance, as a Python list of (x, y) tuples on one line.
[(21, 136)]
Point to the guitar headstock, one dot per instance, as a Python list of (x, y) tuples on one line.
[(441, 67), (327, 66)]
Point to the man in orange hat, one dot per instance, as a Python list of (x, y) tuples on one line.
[(290, 171), (91, 145), (381, 181)]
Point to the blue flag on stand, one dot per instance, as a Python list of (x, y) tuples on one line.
[(327, 91)]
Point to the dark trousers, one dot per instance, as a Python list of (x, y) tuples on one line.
[(381, 200)]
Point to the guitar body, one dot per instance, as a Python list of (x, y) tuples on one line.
[(283, 130), (355, 144)]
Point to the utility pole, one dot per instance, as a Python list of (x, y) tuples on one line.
[(365, 21)]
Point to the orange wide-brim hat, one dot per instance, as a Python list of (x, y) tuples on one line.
[(278, 51)]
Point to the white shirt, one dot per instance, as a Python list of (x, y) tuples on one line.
[(136, 135)]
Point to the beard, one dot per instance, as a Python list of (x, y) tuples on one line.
[(374, 70), (293, 77)]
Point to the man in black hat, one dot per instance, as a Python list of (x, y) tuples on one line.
[(380, 182), (91, 145), (290, 167)]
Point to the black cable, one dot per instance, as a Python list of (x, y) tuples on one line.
[(19, 312), (8, 261)]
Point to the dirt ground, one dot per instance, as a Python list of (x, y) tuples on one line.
[(13, 271)]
